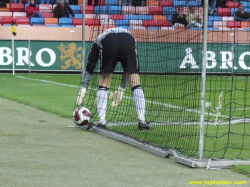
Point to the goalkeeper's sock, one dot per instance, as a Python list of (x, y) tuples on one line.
[(139, 100), (102, 98)]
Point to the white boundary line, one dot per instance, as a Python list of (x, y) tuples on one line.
[(152, 102)]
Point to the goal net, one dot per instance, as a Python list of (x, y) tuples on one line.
[(171, 77)]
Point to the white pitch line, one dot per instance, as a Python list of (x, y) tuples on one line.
[(154, 102)]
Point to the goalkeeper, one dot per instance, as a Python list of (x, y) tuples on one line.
[(112, 46)]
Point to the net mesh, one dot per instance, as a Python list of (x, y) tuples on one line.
[(170, 74)]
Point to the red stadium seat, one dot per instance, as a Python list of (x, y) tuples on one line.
[(166, 3), (16, 7), (224, 11), (156, 10), (117, 16), (234, 24), (22, 21), (48, 14), (89, 9), (92, 22), (233, 4), (8, 20), (77, 22)]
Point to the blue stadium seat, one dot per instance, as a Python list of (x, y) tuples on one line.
[(210, 23), (246, 4), (120, 22), (130, 16), (76, 9), (101, 10), (79, 16), (179, 3), (145, 17), (126, 27), (154, 28), (212, 28), (214, 18), (193, 3), (169, 10), (169, 17), (111, 2), (65, 21), (36, 21), (46, 2), (115, 9)]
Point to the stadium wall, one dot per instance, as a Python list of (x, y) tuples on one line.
[(59, 49)]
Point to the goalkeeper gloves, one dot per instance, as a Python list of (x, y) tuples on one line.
[(117, 96), (81, 96)]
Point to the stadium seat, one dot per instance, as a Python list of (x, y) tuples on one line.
[(16, 7), (226, 18), (19, 14), (169, 10), (107, 22), (77, 22), (36, 21), (246, 4), (193, 3), (91, 16), (195, 28), (46, 8), (92, 22), (154, 28), (101, 16), (142, 10), (159, 17), (245, 24), (214, 18), (212, 28), (145, 17), (169, 17), (210, 23), (126, 27), (139, 27), (7, 20), (79, 16), (122, 23), (112, 2), (5, 14), (135, 23), (128, 10), (179, 3), (166, 3), (22, 21), (231, 4), (101, 10), (115, 10), (155, 10), (224, 11), (50, 21), (116, 17), (76, 9), (156, 23), (48, 14), (234, 24), (153, 3), (5, 9), (218, 24), (65, 21), (130, 16)]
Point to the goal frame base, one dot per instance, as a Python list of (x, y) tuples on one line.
[(190, 162)]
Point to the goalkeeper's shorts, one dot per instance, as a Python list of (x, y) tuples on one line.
[(119, 47)]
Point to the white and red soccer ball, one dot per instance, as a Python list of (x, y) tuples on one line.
[(81, 116)]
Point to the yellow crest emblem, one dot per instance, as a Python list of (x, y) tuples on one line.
[(70, 56)]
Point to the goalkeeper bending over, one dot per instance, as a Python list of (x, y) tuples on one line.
[(112, 46)]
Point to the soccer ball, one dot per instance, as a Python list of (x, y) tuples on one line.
[(81, 116)]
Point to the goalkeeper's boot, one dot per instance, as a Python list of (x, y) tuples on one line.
[(144, 125), (102, 124)]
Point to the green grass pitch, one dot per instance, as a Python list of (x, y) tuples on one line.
[(177, 97)]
